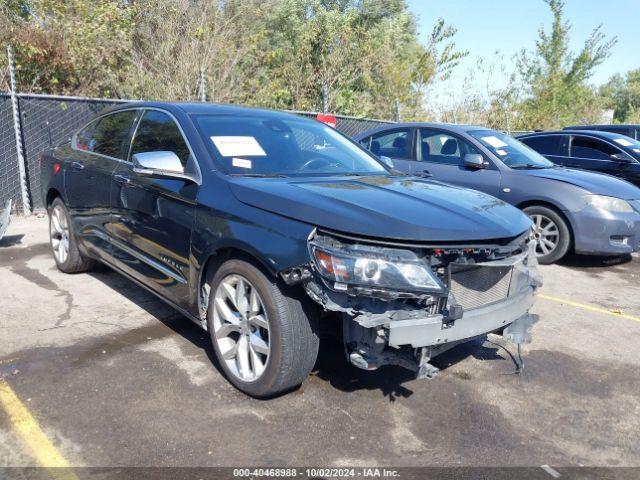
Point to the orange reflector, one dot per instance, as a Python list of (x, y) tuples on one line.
[(330, 120)]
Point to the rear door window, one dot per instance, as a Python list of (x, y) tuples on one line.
[(394, 144), (157, 132), (546, 145), (111, 134), (591, 148)]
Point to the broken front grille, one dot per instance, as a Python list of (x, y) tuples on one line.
[(476, 286)]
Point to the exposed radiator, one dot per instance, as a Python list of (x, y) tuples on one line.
[(476, 286)]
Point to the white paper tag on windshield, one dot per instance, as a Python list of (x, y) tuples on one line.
[(637, 150), (501, 152), (622, 141), (495, 142), (232, 146), (241, 163)]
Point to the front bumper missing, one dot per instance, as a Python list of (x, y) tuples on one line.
[(380, 332), (431, 331)]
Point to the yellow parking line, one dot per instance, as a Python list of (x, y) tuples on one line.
[(27, 428), (591, 308)]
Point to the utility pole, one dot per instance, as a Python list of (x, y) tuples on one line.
[(325, 98), (24, 189), (203, 86), (396, 110)]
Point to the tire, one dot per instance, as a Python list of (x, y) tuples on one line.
[(62, 239), (281, 317), (549, 228)]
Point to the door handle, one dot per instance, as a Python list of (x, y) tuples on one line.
[(121, 178), (77, 165)]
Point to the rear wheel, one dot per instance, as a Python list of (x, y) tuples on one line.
[(550, 233), (63, 241), (263, 333)]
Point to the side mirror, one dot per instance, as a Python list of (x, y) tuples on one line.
[(473, 161), (157, 163), (387, 161), (621, 157)]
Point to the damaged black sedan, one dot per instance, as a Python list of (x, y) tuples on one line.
[(260, 225)]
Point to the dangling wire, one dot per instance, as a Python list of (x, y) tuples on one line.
[(517, 360), (520, 367)]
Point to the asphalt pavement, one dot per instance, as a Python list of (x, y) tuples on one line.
[(108, 375)]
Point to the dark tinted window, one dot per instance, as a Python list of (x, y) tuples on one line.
[(84, 138), (111, 134), (585, 147), (546, 145), (366, 142), (158, 132), (440, 147), (391, 144)]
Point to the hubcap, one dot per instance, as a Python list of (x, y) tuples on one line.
[(545, 234), (59, 232), (241, 327)]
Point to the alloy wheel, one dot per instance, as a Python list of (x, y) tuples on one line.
[(59, 232), (241, 327), (545, 233)]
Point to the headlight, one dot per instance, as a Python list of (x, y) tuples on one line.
[(610, 204), (401, 270)]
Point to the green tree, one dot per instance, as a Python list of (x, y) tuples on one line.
[(67, 46), (623, 95), (555, 78)]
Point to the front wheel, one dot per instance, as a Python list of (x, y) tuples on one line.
[(263, 334), (550, 233), (63, 241)]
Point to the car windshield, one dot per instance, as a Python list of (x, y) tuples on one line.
[(275, 146), (510, 151)]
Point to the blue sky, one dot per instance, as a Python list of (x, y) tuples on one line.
[(509, 25)]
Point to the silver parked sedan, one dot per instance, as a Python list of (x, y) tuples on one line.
[(588, 212)]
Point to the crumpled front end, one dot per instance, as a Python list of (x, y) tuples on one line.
[(403, 304)]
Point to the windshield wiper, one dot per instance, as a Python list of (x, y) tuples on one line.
[(259, 175), (528, 167)]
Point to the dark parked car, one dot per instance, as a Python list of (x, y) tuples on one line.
[(589, 212), (603, 152), (632, 131), (258, 225)]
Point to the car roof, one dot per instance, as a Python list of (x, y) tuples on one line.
[(602, 125), (203, 108), (452, 127), (594, 133)]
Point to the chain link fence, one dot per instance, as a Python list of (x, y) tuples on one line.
[(9, 172), (49, 120)]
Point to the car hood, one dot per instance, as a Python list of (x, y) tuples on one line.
[(598, 183), (385, 207)]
